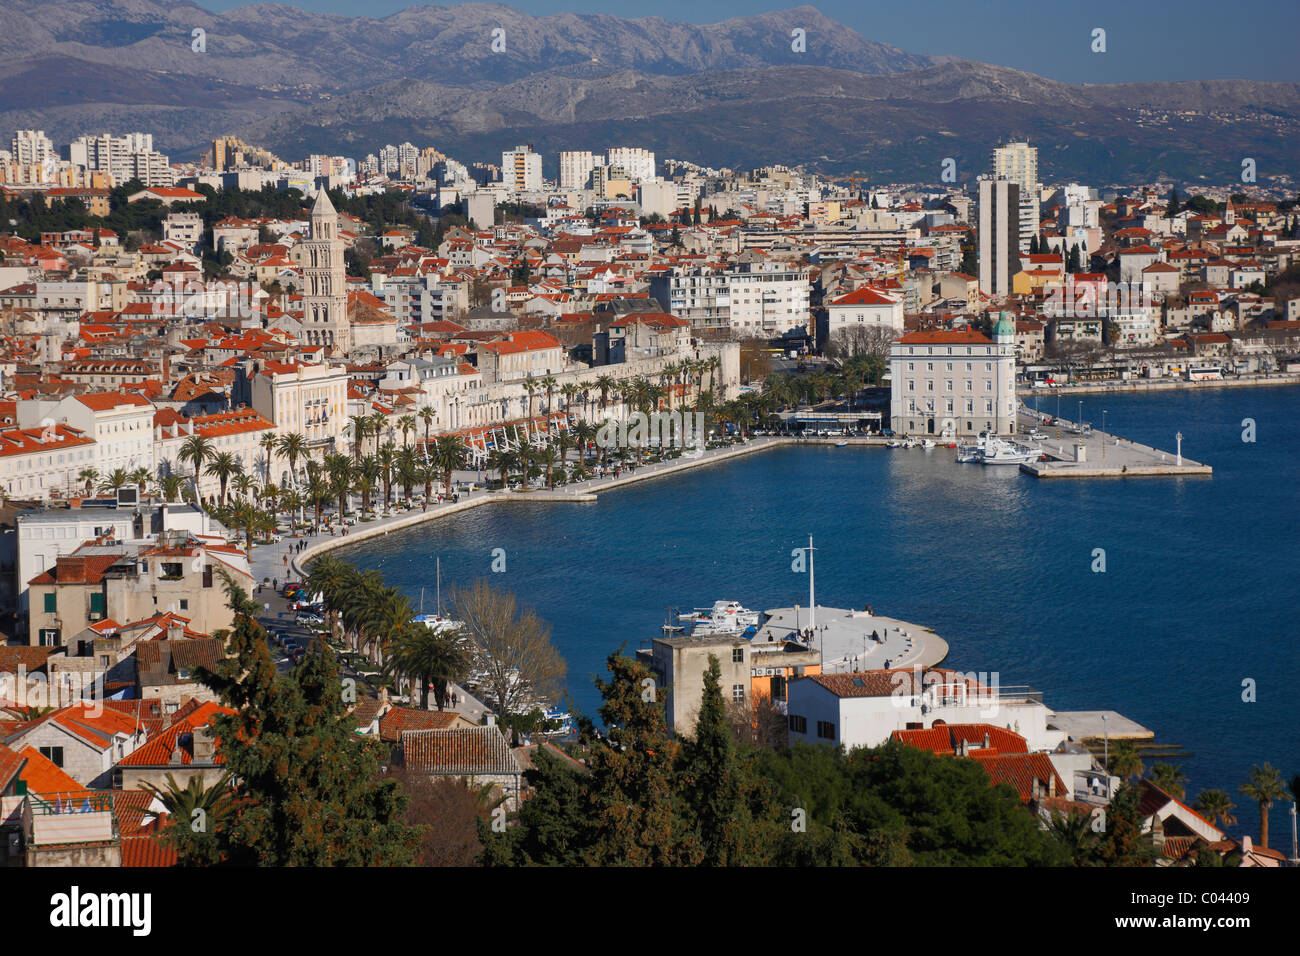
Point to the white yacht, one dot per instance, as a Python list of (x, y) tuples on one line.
[(971, 453), (1000, 452), (725, 617)]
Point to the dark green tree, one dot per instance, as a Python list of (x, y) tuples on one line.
[(1124, 843), (308, 790)]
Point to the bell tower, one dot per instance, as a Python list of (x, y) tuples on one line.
[(325, 296)]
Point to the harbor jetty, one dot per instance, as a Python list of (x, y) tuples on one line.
[(1090, 453)]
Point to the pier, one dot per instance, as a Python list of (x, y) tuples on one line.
[(1096, 454)]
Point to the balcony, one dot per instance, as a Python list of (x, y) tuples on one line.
[(84, 816)]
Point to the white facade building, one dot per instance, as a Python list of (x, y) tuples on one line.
[(960, 383)]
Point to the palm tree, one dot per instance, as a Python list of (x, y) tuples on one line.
[(427, 415), (435, 657), (268, 444), (549, 383), (570, 391), (449, 455), (171, 487), (407, 471), (1124, 760), (1216, 806), (387, 456), (196, 450), (293, 446), (367, 471), (224, 466), (359, 423), (1169, 778), (378, 422), (340, 471), (531, 387), (245, 484), (1074, 832), (316, 491), (141, 476), (89, 476), (1264, 786), (406, 425), (547, 457), (118, 479), (193, 802)]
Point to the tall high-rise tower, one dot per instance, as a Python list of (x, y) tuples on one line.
[(325, 298), (1018, 163), (999, 250)]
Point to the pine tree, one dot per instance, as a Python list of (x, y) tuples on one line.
[(308, 790), (1074, 265), (1034, 248), (635, 806), (1174, 208)]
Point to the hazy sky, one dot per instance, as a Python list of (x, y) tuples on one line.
[(1145, 40)]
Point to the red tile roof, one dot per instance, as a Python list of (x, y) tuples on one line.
[(467, 750)]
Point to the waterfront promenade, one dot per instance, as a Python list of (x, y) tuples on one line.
[(1136, 385)]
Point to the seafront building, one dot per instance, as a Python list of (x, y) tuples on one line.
[(954, 384)]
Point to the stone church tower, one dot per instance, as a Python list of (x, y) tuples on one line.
[(325, 295)]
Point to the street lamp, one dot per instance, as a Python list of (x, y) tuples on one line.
[(1106, 759)]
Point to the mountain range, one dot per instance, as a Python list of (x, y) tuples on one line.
[(728, 94)]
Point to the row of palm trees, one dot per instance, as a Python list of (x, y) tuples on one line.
[(1264, 786), (377, 467), (376, 620)]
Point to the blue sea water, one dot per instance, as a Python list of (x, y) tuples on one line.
[(1197, 599)]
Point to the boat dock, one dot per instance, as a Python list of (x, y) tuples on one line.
[(851, 641), (1095, 454)]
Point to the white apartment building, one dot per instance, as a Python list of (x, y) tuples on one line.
[(1018, 163), (421, 298), (1133, 330), (185, 228), (31, 147), (768, 302), (310, 400), (638, 163), (37, 461), (575, 169), (864, 709), (123, 157), (521, 169), (658, 198), (960, 383), (119, 423), (700, 296), (864, 308)]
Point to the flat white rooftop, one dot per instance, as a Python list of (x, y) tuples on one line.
[(852, 640)]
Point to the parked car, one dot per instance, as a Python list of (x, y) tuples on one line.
[(291, 591), (308, 619)]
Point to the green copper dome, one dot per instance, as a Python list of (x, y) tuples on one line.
[(1004, 326)]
